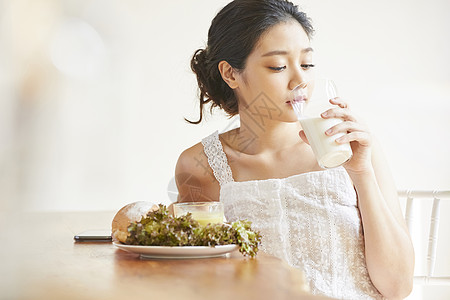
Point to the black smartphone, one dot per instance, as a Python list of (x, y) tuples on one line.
[(93, 236)]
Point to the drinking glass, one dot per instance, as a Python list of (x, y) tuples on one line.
[(203, 212), (309, 101)]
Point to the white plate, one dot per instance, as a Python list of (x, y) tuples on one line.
[(178, 252)]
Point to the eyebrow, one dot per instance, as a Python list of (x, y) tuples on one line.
[(283, 52)]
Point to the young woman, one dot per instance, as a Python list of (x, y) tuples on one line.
[(343, 227)]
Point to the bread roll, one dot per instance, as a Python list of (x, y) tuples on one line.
[(132, 212)]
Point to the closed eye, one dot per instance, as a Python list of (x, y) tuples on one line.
[(307, 66), (278, 68)]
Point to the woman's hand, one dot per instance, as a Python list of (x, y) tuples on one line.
[(355, 133), (388, 248)]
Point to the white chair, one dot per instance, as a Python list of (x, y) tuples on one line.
[(414, 199)]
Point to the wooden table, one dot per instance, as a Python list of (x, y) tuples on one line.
[(39, 260)]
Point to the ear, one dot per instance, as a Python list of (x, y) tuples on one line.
[(228, 74)]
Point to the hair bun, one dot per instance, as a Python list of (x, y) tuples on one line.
[(198, 66)]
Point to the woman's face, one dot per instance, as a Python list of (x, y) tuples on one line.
[(281, 61)]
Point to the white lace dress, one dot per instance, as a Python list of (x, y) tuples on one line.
[(309, 220)]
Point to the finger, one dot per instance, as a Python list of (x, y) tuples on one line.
[(338, 112), (361, 137), (346, 127), (303, 136), (338, 101)]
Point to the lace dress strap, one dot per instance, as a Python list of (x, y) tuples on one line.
[(217, 159)]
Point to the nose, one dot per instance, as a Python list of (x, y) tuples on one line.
[(298, 79)]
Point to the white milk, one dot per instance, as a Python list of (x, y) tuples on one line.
[(328, 152)]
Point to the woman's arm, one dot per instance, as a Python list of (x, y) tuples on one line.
[(388, 246), (194, 177)]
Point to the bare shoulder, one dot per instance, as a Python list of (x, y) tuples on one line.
[(194, 177)]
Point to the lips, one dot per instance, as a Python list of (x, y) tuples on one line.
[(297, 99), (298, 95)]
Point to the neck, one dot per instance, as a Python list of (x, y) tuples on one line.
[(256, 136)]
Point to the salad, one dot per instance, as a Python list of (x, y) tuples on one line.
[(160, 228)]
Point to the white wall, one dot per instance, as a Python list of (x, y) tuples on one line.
[(93, 99), (391, 60)]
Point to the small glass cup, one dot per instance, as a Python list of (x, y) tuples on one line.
[(203, 212)]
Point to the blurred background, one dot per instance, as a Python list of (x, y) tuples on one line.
[(93, 93)]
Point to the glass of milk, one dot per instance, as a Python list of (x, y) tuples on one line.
[(309, 102)]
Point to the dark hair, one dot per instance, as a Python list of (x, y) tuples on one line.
[(232, 36)]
